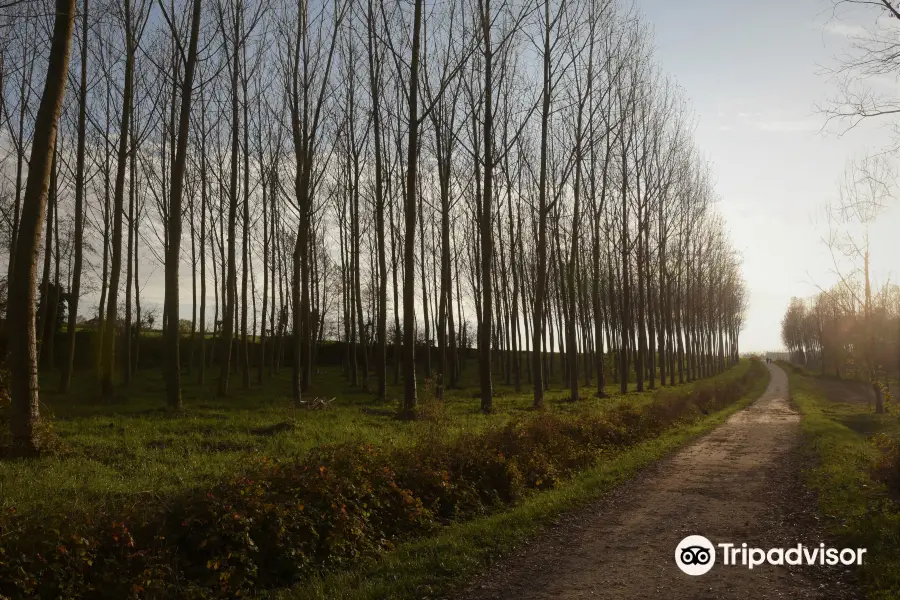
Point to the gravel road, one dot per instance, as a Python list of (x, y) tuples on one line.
[(740, 483)]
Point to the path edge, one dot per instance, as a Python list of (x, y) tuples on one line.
[(445, 564)]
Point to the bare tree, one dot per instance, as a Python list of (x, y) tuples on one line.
[(867, 186), (25, 420), (173, 249), (75, 291), (133, 23), (308, 49)]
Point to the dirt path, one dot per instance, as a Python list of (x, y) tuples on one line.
[(738, 484)]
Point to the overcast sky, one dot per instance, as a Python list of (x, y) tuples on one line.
[(753, 73)]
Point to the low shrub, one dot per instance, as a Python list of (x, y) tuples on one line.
[(289, 520)]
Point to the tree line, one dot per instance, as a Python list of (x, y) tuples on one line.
[(415, 179), (853, 328), (839, 335)]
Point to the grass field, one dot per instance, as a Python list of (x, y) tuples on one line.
[(839, 430), (216, 500), (435, 566), (136, 448)]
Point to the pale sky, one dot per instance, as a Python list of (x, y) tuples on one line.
[(753, 75)]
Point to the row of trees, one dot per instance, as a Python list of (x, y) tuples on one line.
[(853, 328), (836, 334), (377, 172)]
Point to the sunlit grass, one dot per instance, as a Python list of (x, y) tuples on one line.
[(435, 566), (135, 448), (856, 507)]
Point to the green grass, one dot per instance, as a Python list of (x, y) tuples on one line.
[(433, 567), (857, 508), (136, 449)]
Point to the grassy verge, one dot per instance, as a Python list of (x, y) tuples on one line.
[(135, 449), (857, 507), (342, 506), (434, 566)]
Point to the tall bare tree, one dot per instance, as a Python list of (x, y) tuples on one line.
[(173, 249), (25, 421)]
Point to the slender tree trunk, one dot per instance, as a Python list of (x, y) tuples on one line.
[(356, 242), (374, 81), (409, 242), (626, 287), (25, 411), (111, 326), (201, 376), (193, 340), (423, 262), (541, 276), (574, 252), (487, 240), (24, 89), (231, 280), (265, 296), (245, 231), (394, 267), (129, 261), (135, 339), (101, 312), (276, 257), (75, 291), (173, 249)]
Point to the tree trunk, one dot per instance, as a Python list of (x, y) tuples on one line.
[(25, 411), (75, 291), (110, 329), (45, 315), (537, 328), (231, 279), (245, 231), (173, 249), (374, 80), (409, 246)]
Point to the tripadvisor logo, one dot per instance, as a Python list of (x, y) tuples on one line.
[(696, 555)]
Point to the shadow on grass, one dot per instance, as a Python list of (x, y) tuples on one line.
[(864, 424)]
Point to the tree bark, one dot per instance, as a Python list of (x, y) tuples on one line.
[(173, 250), (111, 322), (75, 291), (409, 242), (25, 411)]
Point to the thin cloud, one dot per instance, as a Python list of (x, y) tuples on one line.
[(882, 25), (846, 30), (775, 121), (789, 125)]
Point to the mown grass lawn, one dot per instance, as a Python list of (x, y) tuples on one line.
[(136, 449)]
